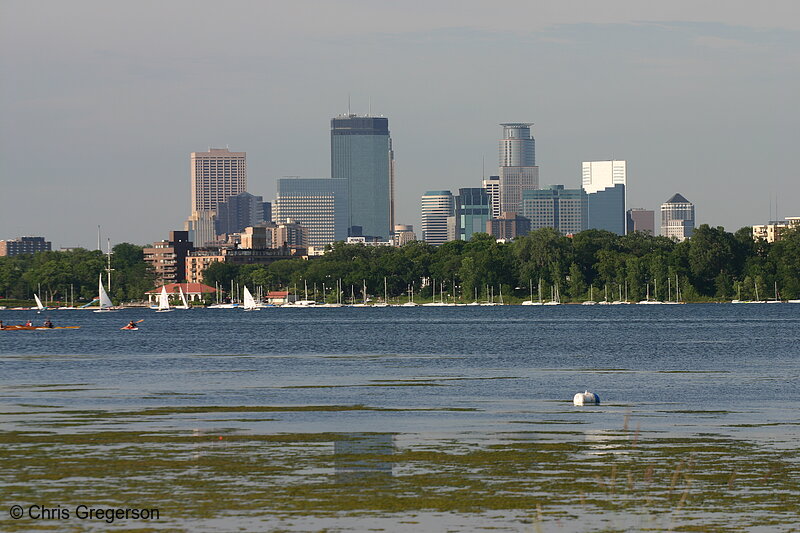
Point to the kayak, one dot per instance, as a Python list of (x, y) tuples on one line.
[(35, 328), (130, 329)]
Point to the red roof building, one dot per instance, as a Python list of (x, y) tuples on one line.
[(193, 291)]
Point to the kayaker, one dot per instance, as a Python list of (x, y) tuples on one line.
[(28, 323), (1, 324), (131, 325), (47, 323)]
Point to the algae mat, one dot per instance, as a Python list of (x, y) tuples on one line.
[(539, 481)]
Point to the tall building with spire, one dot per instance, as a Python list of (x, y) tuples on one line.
[(361, 153), (518, 170)]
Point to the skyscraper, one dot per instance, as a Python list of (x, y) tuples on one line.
[(472, 209), (556, 207), (604, 183), (518, 170), (216, 176), (317, 204), (437, 206), (241, 211), (677, 218), (361, 153), (492, 186)]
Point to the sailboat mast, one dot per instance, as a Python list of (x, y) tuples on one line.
[(108, 267)]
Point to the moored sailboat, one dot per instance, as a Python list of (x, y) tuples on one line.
[(106, 305)]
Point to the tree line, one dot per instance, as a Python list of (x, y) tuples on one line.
[(712, 265), (63, 276)]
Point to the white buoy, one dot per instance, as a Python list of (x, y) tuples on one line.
[(586, 398)]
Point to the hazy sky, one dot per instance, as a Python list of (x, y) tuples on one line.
[(101, 102)]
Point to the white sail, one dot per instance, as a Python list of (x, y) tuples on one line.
[(105, 301), (249, 301), (185, 304), (163, 299), (39, 305)]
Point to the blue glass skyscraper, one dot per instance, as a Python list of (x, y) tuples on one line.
[(361, 153), (473, 208)]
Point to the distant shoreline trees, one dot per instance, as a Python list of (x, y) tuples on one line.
[(714, 265)]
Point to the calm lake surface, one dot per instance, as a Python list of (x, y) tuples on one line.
[(392, 381)]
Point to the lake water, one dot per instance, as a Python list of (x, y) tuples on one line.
[(356, 418)]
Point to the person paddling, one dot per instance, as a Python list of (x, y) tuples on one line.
[(28, 323), (48, 324)]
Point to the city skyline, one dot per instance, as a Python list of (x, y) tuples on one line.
[(98, 122)]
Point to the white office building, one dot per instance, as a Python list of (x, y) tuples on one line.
[(492, 187), (437, 206), (605, 183)]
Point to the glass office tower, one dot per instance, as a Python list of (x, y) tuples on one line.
[(473, 208), (361, 153), (556, 207)]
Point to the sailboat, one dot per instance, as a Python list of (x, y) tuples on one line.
[(385, 302), (410, 302), (590, 301), (106, 305), (539, 290), (184, 303), (605, 298), (249, 302), (777, 298), (39, 306), (554, 296), (163, 301)]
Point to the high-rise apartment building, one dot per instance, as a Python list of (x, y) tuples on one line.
[(216, 176), (167, 258), (241, 211), (604, 183), (642, 220), (361, 154), (518, 170), (770, 232), (492, 187), (556, 207), (437, 206), (320, 205), (24, 245), (472, 209), (677, 218)]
